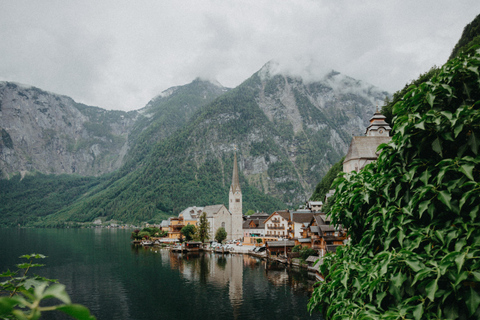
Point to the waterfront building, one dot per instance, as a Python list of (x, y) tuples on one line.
[(277, 224)]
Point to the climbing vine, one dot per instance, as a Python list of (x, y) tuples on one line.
[(413, 215)]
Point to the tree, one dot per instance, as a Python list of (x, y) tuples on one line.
[(188, 231), (414, 214), (203, 227), (25, 294), (220, 235), (250, 212)]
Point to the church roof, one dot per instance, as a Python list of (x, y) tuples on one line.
[(211, 210), (235, 181), (365, 147)]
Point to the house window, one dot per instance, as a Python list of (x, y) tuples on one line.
[(237, 200), (223, 225)]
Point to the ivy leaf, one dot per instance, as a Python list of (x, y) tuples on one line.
[(431, 289), (436, 146), (418, 311), (476, 275), (467, 169), (415, 265), (430, 99), (446, 198), (458, 129), (459, 260), (473, 143), (473, 300)]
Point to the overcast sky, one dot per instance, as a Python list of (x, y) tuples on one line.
[(119, 54)]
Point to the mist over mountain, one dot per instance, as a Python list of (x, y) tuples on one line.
[(177, 150)]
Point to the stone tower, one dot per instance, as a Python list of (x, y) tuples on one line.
[(235, 203)]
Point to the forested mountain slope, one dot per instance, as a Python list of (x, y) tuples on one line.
[(287, 133)]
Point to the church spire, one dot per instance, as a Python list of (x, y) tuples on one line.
[(235, 181)]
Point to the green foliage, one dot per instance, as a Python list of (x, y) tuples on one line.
[(220, 235), (326, 184), (306, 252), (250, 212), (188, 231), (469, 39), (30, 200), (22, 297), (413, 215), (297, 248), (143, 235), (202, 228)]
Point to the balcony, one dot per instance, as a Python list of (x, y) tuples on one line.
[(277, 228)]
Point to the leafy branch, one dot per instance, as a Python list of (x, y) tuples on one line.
[(22, 296)]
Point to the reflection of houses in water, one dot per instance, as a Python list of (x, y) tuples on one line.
[(219, 270)]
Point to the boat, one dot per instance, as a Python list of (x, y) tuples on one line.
[(146, 243)]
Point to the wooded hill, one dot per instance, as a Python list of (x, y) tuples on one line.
[(287, 132)]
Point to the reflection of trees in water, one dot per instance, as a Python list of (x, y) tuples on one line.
[(221, 262), (204, 269)]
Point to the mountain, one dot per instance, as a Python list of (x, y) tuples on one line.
[(168, 112), (287, 133), (50, 133), (179, 148)]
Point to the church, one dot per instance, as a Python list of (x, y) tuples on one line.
[(218, 215), (363, 149)]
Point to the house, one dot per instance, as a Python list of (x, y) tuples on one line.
[(282, 247), (254, 228), (190, 215), (277, 224), (175, 224), (363, 150), (315, 206), (324, 237), (299, 220)]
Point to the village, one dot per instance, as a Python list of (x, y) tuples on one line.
[(281, 235)]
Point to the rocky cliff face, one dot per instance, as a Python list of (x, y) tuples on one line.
[(288, 132), (45, 132)]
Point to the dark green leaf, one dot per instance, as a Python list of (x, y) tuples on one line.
[(437, 147), (77, 311), (445, 197), (473, 300), (431, 288)]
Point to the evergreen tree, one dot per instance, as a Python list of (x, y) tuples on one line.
[(203, 227)]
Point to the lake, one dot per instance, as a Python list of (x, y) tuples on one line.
[(117, 280)]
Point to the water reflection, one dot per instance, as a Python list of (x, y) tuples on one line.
[(118, 281)]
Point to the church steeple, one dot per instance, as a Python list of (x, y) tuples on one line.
[(235, 202), (235, 187)]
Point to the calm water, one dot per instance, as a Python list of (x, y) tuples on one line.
[(116, 280)]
